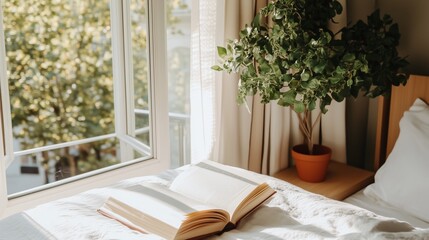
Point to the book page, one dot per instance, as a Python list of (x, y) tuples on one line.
[(216, 184), (155, 208)]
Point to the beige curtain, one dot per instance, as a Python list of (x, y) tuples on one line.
[(234, 135), (258, 140)]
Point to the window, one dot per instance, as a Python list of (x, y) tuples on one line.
[(83, 81), (178, 36), (60, 79)]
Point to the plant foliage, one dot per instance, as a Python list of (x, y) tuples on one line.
[(299, 62)]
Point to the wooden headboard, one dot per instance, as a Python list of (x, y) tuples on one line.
[(390, 111)]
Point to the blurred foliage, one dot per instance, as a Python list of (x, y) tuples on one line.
[(59, 58), (60, 70), (179, 73)]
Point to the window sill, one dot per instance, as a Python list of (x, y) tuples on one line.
[(143, 168)]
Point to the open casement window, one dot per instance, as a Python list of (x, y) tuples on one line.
[(84, 90)]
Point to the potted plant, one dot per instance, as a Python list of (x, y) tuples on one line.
[(301, 64)]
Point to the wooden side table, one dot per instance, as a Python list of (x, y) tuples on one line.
[(341, 180)]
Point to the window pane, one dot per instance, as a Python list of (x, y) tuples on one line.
[(139, 84), (33, 170), (140, 62), (59, 57), (178, 56), (60, 70)]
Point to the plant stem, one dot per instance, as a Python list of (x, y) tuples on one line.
[(307, 126)]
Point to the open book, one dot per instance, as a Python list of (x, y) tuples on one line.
[(205, 199)]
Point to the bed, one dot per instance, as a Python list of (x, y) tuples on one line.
[(401, 188), (292, 213)]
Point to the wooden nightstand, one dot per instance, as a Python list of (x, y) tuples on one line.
[(341, 180)]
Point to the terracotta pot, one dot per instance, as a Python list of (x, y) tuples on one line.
[(311, 168)]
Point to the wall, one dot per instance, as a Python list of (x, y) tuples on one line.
[(357, 109), (412, 17)]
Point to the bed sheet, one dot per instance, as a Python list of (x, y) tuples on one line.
[(382, 208), (292, 213)]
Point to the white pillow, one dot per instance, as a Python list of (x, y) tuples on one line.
[(403, 180)]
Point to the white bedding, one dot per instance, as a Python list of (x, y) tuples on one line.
[(292, 213), (380, 207)]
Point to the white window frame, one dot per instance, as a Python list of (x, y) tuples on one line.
[(122, 69)]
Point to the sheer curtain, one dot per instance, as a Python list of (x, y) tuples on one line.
[(258, 138), (203, 80)]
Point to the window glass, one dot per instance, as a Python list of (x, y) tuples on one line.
[(61, 84), (33, 170), (60, 70), (139, 84), (60, 77), (178, 34)]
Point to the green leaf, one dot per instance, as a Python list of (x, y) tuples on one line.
[(283, 103), (251, 70), (323, 109), (349, 57), (274, 95), (298, 107), (312, 105), (340, 71), (338, 7), (289, 97), (335, 79), (325, 101), (305, 85), (293, 83), (313, 83), (319, 67), (305, 76), (217, 68), (328, 37), (339, 97), (221, 51), (256, 21), (243, 33), (276, 70), (229, 47), (287, 78), (265, 67), (364, 68), (357, 64)]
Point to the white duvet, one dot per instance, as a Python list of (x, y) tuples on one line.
[(292, 213)]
